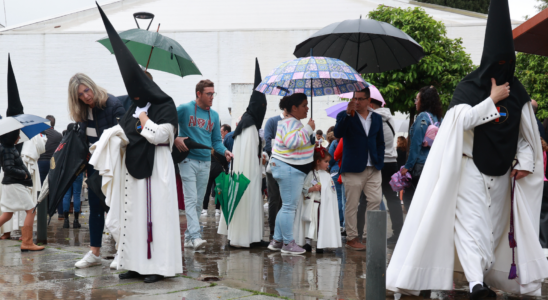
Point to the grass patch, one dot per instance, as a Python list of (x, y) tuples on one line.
[(265, 294)]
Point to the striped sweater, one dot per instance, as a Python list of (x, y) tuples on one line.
[(292, 144)]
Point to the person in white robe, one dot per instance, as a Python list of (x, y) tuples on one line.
[(30, 153), (246, 226), (146, 212), (317, 214)]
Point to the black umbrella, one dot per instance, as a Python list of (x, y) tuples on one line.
[(367, 45), (179, 156), (68, 161)]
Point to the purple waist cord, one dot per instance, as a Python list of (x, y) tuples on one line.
[(149, 213)]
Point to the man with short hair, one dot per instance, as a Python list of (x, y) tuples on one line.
[(200, 123), (225, 128), (363, 158), (54, 138)]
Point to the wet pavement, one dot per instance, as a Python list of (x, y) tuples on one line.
[(216, 272)]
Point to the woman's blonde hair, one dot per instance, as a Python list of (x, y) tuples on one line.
[(78, 110)]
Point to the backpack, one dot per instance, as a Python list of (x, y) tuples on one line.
[(431, 133)]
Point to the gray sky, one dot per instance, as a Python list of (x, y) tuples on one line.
[(24, 11)]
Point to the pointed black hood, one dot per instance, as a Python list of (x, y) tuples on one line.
[(495, 142), (254, 114), (15, 107), (141, 90)]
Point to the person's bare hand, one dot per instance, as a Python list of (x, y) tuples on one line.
[(520, 174), (351, 107), (403, 171), (180, 143), (228, 155), (312, 124), (499, 92)]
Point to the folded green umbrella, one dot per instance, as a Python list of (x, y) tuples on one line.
[(230, 188), (155, 51)]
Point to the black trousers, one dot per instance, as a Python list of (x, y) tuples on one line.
[(543, 233), (409, 193), (214, 172), (392, 200)]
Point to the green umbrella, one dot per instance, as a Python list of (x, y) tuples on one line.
[(156, 51), (230, 189)]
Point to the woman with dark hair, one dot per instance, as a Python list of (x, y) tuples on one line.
[(292, 158), (401, 149), (429, 110)]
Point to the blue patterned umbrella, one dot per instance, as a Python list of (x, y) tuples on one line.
[(328, 76)]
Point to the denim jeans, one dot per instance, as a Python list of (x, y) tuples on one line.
[(195, 175), (291, 183), (74, 192), (340, 198), (96, 216)]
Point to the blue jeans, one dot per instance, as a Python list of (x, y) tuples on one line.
[(291, 183), (195, 175), (340, 198), (74, 192), (96, 216)]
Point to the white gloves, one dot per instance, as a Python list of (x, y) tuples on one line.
[(139, 110)]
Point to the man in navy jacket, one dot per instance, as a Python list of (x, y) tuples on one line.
[(363, 158)]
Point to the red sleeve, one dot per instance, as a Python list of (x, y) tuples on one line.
[(339, 152)]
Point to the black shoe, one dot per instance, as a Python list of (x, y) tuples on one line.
[(66, 224), (128, 275), (393, 239), (343, 233), (491, 293), (479, 292), (153, 278), (307, 247), (76, 224), (319, 251)]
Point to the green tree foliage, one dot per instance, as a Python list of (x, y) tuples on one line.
[(444, 65), (481, 6), (532, 71), (543, 4)]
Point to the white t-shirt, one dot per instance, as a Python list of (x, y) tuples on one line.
[(366, 123)]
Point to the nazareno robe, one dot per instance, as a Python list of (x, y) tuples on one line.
[(424, 257)]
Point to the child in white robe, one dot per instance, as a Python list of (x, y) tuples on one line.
[(317, 213)]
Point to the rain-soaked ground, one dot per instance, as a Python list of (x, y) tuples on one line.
[(252, 274)]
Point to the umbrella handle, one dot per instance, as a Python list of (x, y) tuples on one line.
[(150, 55)]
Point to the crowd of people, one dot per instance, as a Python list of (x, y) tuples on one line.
[(470, 168)]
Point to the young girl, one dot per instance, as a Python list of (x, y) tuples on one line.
[(16, 189), (317, 216)]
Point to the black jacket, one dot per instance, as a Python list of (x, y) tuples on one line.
[(108, 116), (14, 169)]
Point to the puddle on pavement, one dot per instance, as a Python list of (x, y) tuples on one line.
[(338, 274)]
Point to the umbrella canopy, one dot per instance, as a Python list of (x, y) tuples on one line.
[(329, 76), (156, 51), (30, 125), (402, 125), (368, 46), (530, 37), (230, 189), (68, 161)]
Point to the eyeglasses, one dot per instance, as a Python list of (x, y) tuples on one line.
[(360, 99), (87, 90), (211, 94)]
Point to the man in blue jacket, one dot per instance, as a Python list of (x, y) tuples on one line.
[(363, 158)]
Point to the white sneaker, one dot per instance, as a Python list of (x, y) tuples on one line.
[(114, 263), (188, 244), (204, 212), (217, 212), (89, 260), (198, 243), (182, 212)]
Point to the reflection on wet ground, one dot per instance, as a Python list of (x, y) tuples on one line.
[(50, 274)]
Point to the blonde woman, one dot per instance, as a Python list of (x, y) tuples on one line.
[(96, 111)]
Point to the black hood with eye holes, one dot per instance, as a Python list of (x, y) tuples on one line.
[(495, 142)]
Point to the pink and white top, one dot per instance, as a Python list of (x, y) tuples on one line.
[(292, 144)]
